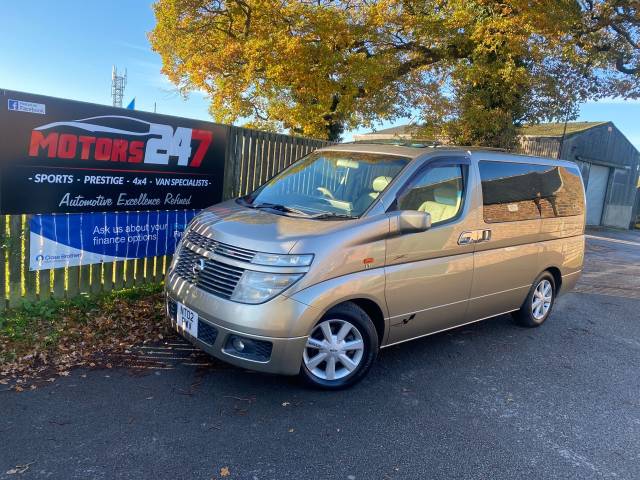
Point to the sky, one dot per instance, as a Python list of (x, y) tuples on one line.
[(66, 48)]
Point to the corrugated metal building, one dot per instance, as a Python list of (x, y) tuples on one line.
[(610, 165)]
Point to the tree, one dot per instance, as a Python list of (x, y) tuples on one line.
[(472, 70)]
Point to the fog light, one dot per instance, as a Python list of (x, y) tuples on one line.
[(252, 349), (238, 344)]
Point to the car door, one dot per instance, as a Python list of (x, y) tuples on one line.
[(506, 259), (429, 274)]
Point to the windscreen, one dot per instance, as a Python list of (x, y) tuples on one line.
[(342, 183)]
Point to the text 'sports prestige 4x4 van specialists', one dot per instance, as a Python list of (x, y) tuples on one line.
[(357, 247)]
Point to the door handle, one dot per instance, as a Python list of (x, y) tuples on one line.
[(485, 236), (476, 236), (467, 238)]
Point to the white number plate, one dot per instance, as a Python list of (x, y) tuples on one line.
[(187, 320)]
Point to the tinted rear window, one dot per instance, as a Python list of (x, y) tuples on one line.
[(519, 191)]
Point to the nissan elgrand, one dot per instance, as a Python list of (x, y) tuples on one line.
[(357, 247)]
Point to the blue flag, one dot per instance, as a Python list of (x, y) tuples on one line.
[(132, 104)]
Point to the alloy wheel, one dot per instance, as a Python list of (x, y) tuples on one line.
[(334, 349), (542, 298)]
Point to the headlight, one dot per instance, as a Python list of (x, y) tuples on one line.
[(276, 260), (258, 287)]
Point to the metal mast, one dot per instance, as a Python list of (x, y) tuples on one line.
[(118, 82)]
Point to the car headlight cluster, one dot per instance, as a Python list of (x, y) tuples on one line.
[(258, 287)]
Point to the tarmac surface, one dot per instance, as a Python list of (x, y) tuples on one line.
[(489, 400)]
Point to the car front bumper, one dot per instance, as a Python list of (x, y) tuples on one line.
[(279, 327)]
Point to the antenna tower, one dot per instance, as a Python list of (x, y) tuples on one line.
[(118, 82)]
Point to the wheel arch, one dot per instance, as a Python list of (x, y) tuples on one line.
[(370, 307), (556, 274)]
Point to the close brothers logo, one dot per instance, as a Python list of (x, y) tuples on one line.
[(40, 259), (109, 139)]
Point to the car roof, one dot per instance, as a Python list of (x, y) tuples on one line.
[(399, 150), (480, 153)]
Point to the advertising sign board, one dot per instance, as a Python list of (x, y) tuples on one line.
[(85, 238), (63, 156)]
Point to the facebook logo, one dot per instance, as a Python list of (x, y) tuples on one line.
[(28, 107)]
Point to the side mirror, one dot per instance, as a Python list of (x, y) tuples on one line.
[(409, 221)]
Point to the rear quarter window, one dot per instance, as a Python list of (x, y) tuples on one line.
[(520, 191)]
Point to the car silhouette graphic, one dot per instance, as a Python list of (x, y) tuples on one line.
[(116, 124)]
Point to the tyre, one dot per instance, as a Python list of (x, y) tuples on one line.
[(340, 349), (539, 302)]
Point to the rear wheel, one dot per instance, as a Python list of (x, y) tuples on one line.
[(340, 349), (537, 307)]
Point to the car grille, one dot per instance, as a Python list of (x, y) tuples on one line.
[(218, 248), (207, 333), (217, 278)]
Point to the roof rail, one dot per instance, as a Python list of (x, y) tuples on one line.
[(477, 147), (400, 142)]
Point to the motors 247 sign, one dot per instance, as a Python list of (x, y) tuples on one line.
[(61, 156)]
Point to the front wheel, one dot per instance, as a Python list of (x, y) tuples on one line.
[(537, 307), (340, 349)]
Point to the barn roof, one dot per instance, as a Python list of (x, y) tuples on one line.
[(556, 129)]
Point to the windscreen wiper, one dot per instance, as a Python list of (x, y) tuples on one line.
[(324, 215), (282, 208)]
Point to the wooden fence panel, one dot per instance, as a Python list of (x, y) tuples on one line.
[(96, 273), (30, 277), (243, 181), (15, 260), (44, 284), (73, 282), (84, 278), (118, 275), (4, 285), (148, 270), (58, 283)]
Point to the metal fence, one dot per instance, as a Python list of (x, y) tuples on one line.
[(252, 157)]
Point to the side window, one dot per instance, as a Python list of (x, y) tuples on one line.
[(437, 191), (567, 199), (510, 191), (520, 191)]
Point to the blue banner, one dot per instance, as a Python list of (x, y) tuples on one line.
[(85, 238)]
